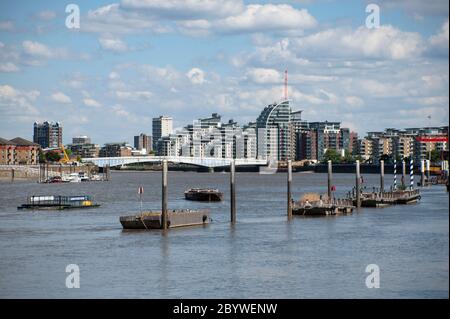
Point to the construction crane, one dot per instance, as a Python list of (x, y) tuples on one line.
[(65, 158)]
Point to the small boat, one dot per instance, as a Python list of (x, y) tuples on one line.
[(72, 177), (96, 178), (203, 194), (83, 177), (58, 202), (56, 179), (175, 218)]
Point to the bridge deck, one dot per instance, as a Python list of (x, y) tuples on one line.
[(198, 161)]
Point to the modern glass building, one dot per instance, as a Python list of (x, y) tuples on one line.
[(273, 129)]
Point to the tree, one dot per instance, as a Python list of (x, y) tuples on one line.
[(348, 157), (52, 156), (332, 155), (435, 156), (41, 156)]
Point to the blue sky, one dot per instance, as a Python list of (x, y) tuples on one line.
[(133, 60)]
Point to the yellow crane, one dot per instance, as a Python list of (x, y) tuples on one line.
[(65, 158)]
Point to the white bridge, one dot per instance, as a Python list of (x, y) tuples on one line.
[(198, 161)]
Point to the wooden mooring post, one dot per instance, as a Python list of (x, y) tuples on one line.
[(107, 170), (289, 192), (422, 173), (381, 177), (164, 196), (232, 192), (330, 176), (12, 174), (358, 185)]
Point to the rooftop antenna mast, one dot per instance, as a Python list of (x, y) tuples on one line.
[(285, 84)]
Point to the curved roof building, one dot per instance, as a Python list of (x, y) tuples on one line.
[(274, 131)]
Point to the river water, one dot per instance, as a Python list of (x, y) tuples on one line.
[(262, 256)]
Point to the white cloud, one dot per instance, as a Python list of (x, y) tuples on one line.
[(60, 97), (354, 101), (262, 75), (8, 67), (196, 76), (113, 44), (440, 40), (115, 20), (113, 75), (386, 42), (35, 48), (91, 102), (133, 95), (269, 18), (197, 17), (17, 104), (187, 8)]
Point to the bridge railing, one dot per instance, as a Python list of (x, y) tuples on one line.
[(199, 161)]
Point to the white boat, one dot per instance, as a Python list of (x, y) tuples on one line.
[(74, 178), (96, 177), (83, 177)]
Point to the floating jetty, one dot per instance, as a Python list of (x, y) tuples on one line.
[(323, 208), (58, 202), (395, 197), (315, 205), (176, 218), (203, 194)]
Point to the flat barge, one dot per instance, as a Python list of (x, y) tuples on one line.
[(203, 194), (176, 218), (58, 202), (397, 197), (323, 207)]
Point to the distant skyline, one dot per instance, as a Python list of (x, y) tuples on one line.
[(134, 60)]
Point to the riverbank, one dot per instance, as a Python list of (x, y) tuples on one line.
[(31, 172)]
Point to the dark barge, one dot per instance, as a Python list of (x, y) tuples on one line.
[(204, 194), (176, 218), (58, 202), (397, 197), (322, 207)]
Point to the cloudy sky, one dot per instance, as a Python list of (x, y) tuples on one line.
[(132, 60)]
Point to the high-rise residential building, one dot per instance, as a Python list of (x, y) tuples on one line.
[(143, 142), (395, 143), (48, 134), (329, 135), (353, 146), (274, 132), (161, 126), (210, 137)]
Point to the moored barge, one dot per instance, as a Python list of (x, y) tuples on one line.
[(175, 218), (203, 194), (58, 202)]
